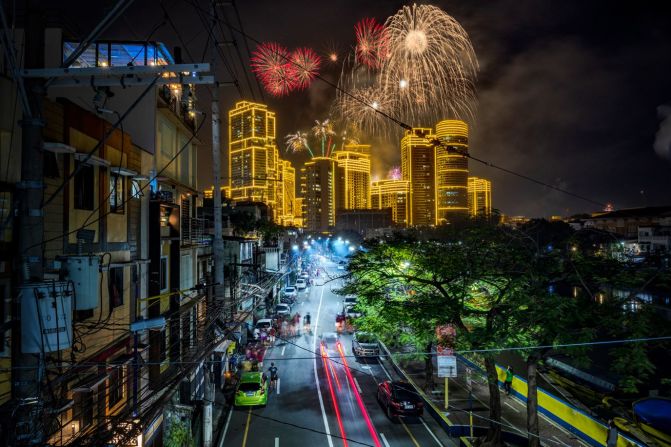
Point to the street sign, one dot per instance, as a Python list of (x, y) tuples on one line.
[(447, 366)]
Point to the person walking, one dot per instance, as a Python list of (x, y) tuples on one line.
[(611, 437), (508, 384)]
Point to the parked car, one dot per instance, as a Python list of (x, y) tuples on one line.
[(342, 265), (399, 398), (305, 275), (283, 309), (364, 344), (252, 390), (301, 284)]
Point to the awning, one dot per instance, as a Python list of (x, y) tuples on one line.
[(91, 160), (58, 148)]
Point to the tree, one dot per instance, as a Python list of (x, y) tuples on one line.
[(467, 278)]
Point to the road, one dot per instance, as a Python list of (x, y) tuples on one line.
[(311, 407)]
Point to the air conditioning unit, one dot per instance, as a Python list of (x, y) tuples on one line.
[(83, 271)]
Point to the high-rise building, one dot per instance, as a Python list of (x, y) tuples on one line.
[(252, 153), (356, 147), (392, 194), (451, 171), (318, 178), (298, 213), (353, 179), (418, 168), (286, 197), (479, 197)]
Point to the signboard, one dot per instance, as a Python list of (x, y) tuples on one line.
[(447, 366)]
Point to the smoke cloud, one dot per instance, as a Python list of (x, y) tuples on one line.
[(662, 143)]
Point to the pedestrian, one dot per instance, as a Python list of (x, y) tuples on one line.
[(257, 334), (508, 384), (271, 336), (611, 437)]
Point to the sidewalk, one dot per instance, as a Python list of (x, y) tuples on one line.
[(462, 404)]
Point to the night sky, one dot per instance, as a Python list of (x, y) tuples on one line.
[(570, 92)]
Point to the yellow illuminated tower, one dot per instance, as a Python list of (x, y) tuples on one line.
[(286, 193), (318, 178), (451, 171), (479, 197), (418, 168), (353, 178), (253, 154), (394, 194), (298, 213)]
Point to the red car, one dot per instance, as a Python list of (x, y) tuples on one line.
[(399, 398)]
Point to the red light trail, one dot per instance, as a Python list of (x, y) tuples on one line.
[(325, 359)]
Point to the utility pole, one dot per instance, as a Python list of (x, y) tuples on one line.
[(27, 371), (218, 245)]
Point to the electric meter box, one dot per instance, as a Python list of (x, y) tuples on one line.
[(83, 271), (46, 317)]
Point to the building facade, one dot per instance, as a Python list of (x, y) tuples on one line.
[(418, 159), (252, 152), (479, 197), (451, 171), (318, 188), (286, 193), (392, 194), (353, 179)]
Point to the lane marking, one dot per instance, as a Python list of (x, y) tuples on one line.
[(431, 433), (358, 388), (414, 441), (319, 389), (278, 386), (228, 421), (386, 444), (277, 442), (249, 419), (283, 348), (513, 408)]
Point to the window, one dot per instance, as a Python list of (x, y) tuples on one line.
[(115, 385), (115, 287), (84, 187), (164, 273), (135, 190), (116, 194)]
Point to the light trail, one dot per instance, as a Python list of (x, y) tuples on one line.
[(334, 374), (369, 423), (325, 359)]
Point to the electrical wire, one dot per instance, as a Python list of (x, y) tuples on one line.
[(249, 53)]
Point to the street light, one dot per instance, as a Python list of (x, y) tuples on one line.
[(295, 247)]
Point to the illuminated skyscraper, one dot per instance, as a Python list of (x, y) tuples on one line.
[(479, 197), (286, 198), (353, 179), (298, 213), (253, 154), (392, 194), (451, 171), (318, 178), (360, 148), (418, 168)]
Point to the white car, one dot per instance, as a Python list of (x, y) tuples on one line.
[(264, 324), (301, 284), (351, 312), (350, 300), (283, 309), (342, 265), (305, 275), (290, 291)]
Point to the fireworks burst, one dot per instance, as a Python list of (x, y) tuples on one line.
[(430, 66), (297, 142), (306, 64), (394, 173), (371, 42), (282, 72), (323, 131), (270, 63), (427, 68)]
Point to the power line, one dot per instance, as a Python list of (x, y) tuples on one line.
[(249, 53), (237, 51)]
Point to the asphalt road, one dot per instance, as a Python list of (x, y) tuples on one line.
[(313, 408)]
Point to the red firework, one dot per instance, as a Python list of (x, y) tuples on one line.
[(306, 63), (271, 64), (371, 42)]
